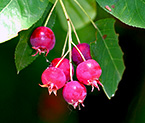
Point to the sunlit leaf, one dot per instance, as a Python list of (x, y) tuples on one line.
[(17, 15)]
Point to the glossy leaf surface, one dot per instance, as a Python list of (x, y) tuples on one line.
[(17, 15)]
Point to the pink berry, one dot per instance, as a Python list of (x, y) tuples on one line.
[(74, 93), (53, 78), (64, 66), (88, 72), (42, 40), (85, 50)]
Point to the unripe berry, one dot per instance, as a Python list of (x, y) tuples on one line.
[(88, 72), (85, 50), (53, 78), (74, 93), (64, 66), (42, 40)]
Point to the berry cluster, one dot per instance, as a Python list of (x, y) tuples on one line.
[(60, 72)]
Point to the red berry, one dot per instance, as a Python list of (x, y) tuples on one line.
[(42, 40), (88, 72), (64, 66), (85, 50), (53, 78), (74, 93)]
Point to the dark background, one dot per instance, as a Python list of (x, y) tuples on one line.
[(22, 100), (128, 105)]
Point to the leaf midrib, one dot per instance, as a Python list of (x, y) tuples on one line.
[(119, 74), (6, 6)]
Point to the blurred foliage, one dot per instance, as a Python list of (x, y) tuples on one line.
[(21, 96), (77, 16)]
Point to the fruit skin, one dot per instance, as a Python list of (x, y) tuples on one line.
[(74, 93), (42, 40), (85, 50), (53, 78), (88, 73), (64, 66)]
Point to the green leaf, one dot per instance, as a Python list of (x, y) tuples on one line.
[(52, 1), (24, 52), (130, 12), (107, 52), (77, 16), (17, 15), (3, 4)]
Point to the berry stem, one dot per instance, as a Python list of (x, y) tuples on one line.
[(69, 36), (86, 14), (90, 19), (63, 50), (62, 59), (70, 54), (75, 32), (79, 51), (46, 58), (45, 24)]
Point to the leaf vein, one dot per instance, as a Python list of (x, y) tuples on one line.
[(119, 74), (21, 59), (139, 12), (6, 6)]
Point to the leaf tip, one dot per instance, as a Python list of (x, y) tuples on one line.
[(108, 96), (18, 72)]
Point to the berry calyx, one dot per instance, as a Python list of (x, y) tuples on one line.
[(53, 79), (88, 72), (42, 40), (74, 93), (85, 50), (64, 66)]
